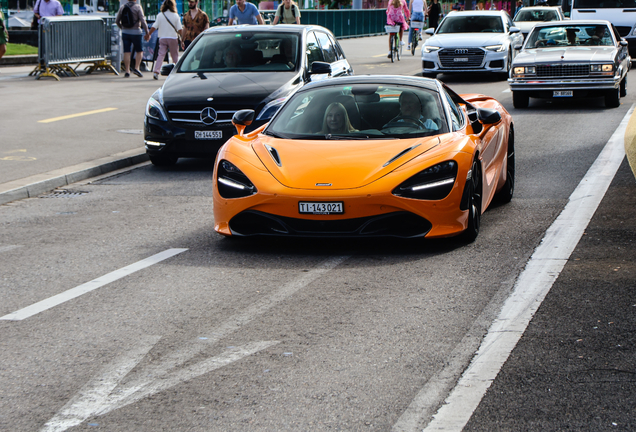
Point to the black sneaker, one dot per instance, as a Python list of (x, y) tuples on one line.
[(136, 72), (126, 75)]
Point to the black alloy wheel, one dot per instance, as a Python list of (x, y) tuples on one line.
[(504, 195), (474, 204)]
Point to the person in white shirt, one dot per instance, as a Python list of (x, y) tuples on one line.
[(168, 25), (417, 8)]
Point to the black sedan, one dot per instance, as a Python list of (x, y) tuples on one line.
[(227, 69), (571, 59)]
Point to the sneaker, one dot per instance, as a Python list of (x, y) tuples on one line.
[(408, 47), (155, 75), (402, 43), (389, 56), (136, 72), (126, 75)]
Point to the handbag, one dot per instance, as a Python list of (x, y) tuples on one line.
[(175, 29), (34, 22)]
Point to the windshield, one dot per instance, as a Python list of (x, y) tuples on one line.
[(536, 15), (569, 35), (606, 4), (360, 111), (471, 24), (245, 51)]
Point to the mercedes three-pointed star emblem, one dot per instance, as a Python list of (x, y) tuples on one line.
[(208, 116)]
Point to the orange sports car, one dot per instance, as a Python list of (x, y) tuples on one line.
[(367, 156)]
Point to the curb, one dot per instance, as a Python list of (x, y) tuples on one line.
[(17, 60), (630, 142), (41, 183)]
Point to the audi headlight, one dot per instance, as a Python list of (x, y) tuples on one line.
[(434, 183), (232, 183), (524, 70), (154, 107), (496, 48), (271, 108), (430, 48)]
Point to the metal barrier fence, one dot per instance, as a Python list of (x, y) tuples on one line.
[(65, 40), (343, 23)]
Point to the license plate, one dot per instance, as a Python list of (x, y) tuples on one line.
[(460, 59), (208, 135), (321, 207), (562, 93)]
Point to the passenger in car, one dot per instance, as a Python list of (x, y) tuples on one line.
[(336, 120), (232, 56), (571, 35)]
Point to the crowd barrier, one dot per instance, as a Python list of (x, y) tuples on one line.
[(67, 40), (343, 23)]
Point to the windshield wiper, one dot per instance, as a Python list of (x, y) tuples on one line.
[(275, 135), (346, 137)]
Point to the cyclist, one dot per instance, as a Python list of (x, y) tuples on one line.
[(417, 8), (397, 12)]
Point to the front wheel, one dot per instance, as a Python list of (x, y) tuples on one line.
[(520, 99), (623, 86), (613, 98), (474, 205), (504, 195), (163, 160)]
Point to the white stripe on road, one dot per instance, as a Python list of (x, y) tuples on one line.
[(89, 286), (533, 285), (8, 248), (507, 91)]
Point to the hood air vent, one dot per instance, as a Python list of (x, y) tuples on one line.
[(274, 154), (399, 155)]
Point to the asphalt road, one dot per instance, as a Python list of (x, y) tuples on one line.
[(217, 334)]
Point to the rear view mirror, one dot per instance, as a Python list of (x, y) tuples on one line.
[(241, 119), (319, 67), (165, 70), (488, 116), (430, 31), (517, 47)]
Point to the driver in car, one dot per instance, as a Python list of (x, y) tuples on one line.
[(411, 112)]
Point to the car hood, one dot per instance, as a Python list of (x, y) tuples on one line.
[(565, 55), (526, 26), (467, 40), (343, 164), (248, 89)]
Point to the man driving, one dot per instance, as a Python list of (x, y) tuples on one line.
[(411, 112)]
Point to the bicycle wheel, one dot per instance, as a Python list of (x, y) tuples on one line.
[(398, 47), (414, 43), (393, 52)]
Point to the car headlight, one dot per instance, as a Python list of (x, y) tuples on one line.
[(154, 107), (232, 183), (434, 183), (602, 68), (430, 48), (496, 48), (271, 108), (524, 70)]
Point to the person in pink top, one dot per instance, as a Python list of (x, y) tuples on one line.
[(397, 13)]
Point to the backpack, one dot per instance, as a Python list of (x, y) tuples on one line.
[(127, 17), (282, 11)]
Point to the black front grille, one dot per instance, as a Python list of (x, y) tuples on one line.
[(461, 57), (397, 224), (623, 30), (563, 70)]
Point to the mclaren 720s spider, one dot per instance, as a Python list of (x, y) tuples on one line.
[(367, 156)]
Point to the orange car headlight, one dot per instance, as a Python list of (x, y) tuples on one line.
[(232, 183), (434, 183)]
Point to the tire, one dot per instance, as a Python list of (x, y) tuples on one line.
[(623, 87), (613, 98), (398, 48), (393, 52), (520, 99), (504, 196), (474, 205), (163, 160), (429, 75)]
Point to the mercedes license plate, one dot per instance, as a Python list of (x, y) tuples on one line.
[(323, 208), (562, 93), (208, 135), (460, 59)]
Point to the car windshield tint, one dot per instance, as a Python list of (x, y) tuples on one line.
[(569, 35), (246, 51), (360, 111), (536, 15), (471, 24)]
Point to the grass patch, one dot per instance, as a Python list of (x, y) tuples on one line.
[(20, 49)]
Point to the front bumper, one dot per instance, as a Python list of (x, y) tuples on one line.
[(581, 87), (478, 60)]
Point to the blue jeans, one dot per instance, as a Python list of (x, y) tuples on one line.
[(417, 16)]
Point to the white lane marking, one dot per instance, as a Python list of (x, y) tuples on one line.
[(7, 248), (89, 286), (533, 285), (507, 91), (94, 394)]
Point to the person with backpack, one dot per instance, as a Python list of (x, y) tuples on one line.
[(130, 19), (287, 13), (169, 29)]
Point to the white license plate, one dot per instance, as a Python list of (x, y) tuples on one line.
[(562, 93), (208, 135), (460, 59), (321, 207)]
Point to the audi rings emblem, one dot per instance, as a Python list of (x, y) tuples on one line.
[(208, 116), (461, 51)]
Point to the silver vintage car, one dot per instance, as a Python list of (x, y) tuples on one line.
[(571, 59)]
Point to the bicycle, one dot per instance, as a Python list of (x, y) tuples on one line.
[(394, 37), (417, 27)]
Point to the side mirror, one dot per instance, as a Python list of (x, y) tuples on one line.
[(488, 116), (430, 31), (165, 70), (242, 119), (514, 30), (319, 67), (517, 47), (623, 42)]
